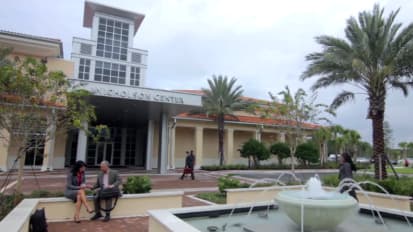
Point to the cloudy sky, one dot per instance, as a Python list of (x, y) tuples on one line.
[(261, 43)]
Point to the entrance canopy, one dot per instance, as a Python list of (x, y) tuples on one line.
[(127, 104)]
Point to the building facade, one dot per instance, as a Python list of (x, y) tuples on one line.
[(149, 128)]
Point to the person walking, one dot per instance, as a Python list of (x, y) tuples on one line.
[(189, 165), (346, 171), (107, 178)]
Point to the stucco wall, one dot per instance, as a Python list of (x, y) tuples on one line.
[(184, 141)]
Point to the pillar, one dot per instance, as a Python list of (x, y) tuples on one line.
[(258, 134), (282, 137), (123, 146), (230, 145), (199, 146), (48, 154), (149, 145), (163, 144), (4, 149), (82, 143), (171, 160)]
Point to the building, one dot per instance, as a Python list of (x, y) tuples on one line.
[(149, 128)]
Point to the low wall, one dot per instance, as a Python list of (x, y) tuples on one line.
[(62, 209), (249, 195)]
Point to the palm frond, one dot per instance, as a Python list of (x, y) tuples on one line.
[(342, 98)]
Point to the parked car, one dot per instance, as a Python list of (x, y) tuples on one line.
[(405, 162), (362, 160), (333, 157)]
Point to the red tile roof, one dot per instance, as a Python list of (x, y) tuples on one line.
[(248, 119), (200, 92)]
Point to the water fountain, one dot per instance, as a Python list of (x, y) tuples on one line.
[(315, 209)]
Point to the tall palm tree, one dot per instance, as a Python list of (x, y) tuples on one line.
[(353, 139), (376, 55), (322, 136), (222, 98)]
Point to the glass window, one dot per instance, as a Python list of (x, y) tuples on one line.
[(134, 76), (112, 33), (112, 72), (84, 68)]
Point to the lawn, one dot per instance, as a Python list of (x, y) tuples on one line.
[(216, 197), (399, 170)]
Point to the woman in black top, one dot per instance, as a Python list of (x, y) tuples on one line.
[(346, 171), (75, 188)]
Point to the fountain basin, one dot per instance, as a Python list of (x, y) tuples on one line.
[(323, 212)]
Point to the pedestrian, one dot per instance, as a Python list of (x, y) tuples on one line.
[(346, 171), (189, 165)]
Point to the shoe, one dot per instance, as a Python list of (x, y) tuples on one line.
[(96, 216), (76, 220), (90, 211), (106, 219)]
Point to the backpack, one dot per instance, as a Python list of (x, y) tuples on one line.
[(38, 221)]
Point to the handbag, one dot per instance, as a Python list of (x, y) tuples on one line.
[(187, 170), (109, 193)]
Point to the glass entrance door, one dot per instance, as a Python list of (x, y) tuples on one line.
[(34, 153), (104, 151)]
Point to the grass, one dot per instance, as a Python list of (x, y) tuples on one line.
[(216, 197), (399, 170)]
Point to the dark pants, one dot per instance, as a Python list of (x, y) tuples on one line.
[(352, 192), (184, 173), (96, 202)]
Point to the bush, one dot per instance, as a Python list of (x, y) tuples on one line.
[(281, 150), (137, 184), (8, 202), (255, 149), (225, 167), (216, 197), (226, 182), (307, 152), (44, 194)]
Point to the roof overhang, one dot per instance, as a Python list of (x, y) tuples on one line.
[(92, 7), (31, 45)]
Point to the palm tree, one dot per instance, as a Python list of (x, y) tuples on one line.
[(353, 141), (322, 136), (375, 56), (222, 98), (403, 146), (336, 132)]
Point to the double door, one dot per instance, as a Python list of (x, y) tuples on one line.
[(104, 151)]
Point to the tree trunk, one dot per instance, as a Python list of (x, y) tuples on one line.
[(378, 146), (221, 139), (20, 173)]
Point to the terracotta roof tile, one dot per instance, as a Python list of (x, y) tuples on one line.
[(248, 119), (200, 92)]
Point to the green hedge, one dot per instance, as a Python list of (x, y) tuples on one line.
[(401, 186), (227, 182), (137, 184), (329, 165)]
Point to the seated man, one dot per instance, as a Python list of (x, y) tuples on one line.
[(107, 178)]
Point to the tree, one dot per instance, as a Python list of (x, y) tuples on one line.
[(388, 136), (375, 56), (307, 153), (33, 101), (222, 98), (296, 109), (256, 150), (281, 150), (353, 140), (321, 137), (336, 133)]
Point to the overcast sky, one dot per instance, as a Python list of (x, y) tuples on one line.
[(261, 43)]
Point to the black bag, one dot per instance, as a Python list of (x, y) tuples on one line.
[(38, 221), (109, 193)]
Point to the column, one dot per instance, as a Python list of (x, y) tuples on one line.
[(163, 144), (82, 143), (123, 146), (199, 146), (149, 145), (4, 149), (281, 137), (49, 145), (230, 145), (258, 134), (171, 160)]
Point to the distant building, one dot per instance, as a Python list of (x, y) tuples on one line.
[(149, 128)]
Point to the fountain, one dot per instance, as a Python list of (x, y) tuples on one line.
[(315, 209)]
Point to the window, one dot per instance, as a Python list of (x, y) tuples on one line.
[(135, 74), (86, 49), (110, 72), (136, 57), (84, 69), (112, 39)]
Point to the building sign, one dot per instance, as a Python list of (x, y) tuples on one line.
[(137, 93)]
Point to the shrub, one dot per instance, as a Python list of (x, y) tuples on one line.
[(281, 150), (307, 152), (255, 149), (216, 197), (8, 202), (226, 182), (137, 184), (44, 193)]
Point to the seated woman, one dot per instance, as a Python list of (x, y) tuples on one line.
[(75, 188)]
